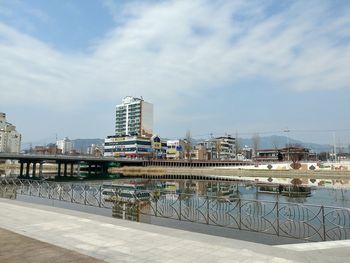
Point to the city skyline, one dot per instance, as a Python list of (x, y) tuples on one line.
[(265, 67)]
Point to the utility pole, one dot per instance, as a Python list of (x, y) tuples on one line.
[(334, 148), (287, 130)]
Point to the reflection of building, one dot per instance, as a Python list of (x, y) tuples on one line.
[(134, 117), (64, 145), (175, 149), (10, 139)]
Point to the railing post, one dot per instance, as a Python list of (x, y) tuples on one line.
[(207, 197), (323, 223), (49, 191), (30, 189), (60, 196), (72, 193), (85, 194), (240, 214), (180, 207), (100, 197), (156, 212), (278, 218), (22, 186)]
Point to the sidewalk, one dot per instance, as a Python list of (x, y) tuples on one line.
[(114, 240), (15, 248)]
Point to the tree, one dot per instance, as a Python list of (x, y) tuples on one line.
[(274, 142), (237, 146), (323, 156), (188, 145), (255, 142)]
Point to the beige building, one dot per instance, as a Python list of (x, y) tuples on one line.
[(199, 152), (65, 145), (10, 139), (175, 149)]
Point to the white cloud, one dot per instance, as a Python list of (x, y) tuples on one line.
[(167, 51)]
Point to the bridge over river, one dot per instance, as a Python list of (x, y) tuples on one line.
[(94, 164), (101, 164)]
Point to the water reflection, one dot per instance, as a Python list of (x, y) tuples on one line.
[(222, 204), (331, 192), (248, 190)]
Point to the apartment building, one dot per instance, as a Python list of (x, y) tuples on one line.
[(134, 117), (65, 145), (10, 139), (127, 146), (220, 148)]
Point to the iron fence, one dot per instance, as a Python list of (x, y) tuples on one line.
[(300, 221)]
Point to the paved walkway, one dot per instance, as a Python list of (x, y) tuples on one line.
[(15, 248), (114, 240)]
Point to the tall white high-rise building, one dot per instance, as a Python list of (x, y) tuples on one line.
[(65, 145), (10, 139), (134, 117)]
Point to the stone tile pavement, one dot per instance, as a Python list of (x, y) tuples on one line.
[(114, 240), (15, 248)]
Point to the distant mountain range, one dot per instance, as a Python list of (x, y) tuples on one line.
[(266, 142)]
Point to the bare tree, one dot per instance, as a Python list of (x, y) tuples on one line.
[(274, 142), (237, 146), (255, 142), (188, 145)]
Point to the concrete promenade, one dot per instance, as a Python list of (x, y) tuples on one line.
[(107, 239)]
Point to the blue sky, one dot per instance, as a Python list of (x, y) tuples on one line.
[(208, 66)]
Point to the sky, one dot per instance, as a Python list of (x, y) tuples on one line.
[(209, 66)]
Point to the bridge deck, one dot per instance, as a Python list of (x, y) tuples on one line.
[(114, 240)]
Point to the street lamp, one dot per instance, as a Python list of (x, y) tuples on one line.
[(287, 130)]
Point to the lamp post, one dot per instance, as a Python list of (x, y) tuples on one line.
[(287, 131)]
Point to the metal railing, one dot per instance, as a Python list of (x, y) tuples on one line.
[(307, 222)]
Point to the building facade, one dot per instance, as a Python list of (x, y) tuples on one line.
[(65, 145), (95, 150), (127, 147), (292, 154), (10, 139), (226, 148), (199, 152), (49, 149), (220, 148), (175, 149), (134, 117)]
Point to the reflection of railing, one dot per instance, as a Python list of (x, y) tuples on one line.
[(308, 222)]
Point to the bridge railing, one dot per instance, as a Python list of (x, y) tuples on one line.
[(292, 220)]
